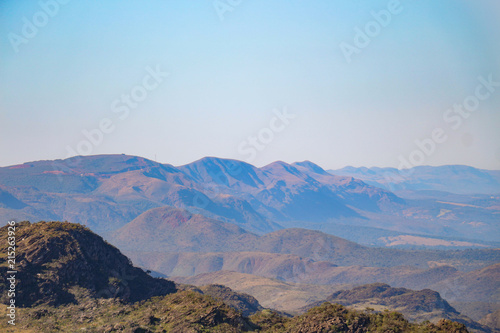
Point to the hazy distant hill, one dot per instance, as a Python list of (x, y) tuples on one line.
[(478, 285), (459, 179), (173, 230), (476, 293), (176, 230), (285, 192), (492, 320)]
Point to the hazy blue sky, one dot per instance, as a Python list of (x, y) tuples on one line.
[(66, 70)]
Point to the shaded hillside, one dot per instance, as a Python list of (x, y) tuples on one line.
[(56, 261), (8, 201), (491, 320), (476, 293), (479, 285), (354, 190), (238, 175), (411, 301)]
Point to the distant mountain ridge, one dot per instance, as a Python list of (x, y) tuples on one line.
[(118, 188), (457, 179), (228, 190)]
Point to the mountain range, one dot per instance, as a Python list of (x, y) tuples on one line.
[(221, 221), (118, 188)]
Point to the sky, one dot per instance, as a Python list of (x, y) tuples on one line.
[(359, 83)]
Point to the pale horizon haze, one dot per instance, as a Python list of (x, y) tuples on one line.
[(359, 83)]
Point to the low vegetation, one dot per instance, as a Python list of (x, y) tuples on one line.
[(71, 280), (189, 311)]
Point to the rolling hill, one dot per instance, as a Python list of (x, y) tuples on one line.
[(179, 232), (176, 230)]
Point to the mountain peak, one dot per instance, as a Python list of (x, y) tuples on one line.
[(280, 165), (310, 166), (222, 171), (217, 160)]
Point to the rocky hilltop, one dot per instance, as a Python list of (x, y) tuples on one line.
[(58, 262), (415, 305)]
